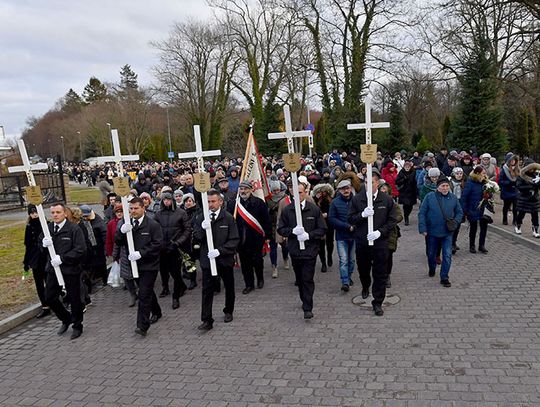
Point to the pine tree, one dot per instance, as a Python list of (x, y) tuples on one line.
[(397, 138), (71, 102), (128, 82), (479, 122), (423, 145), (94, 91)]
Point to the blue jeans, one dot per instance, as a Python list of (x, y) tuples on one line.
[(274, 252), (433, 244), (345, 249)]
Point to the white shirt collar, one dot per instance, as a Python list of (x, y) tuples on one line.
[(140, 220), (61, 224), (216, 212), (303, 204), (375, 194)]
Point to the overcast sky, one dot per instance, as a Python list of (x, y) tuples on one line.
[(50, 46)]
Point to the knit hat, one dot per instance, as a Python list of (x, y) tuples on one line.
[(434, 172), (166, 195), (456, 170), (186, 197), (275, 185), (245, 184), (178, 192), (485, 155), (443, 180), (375, 171), (166, 188)]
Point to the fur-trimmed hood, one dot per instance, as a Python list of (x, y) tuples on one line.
[(482, 179), (323, 188), (527, 172)]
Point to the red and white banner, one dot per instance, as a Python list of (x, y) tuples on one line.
[(249, 218)]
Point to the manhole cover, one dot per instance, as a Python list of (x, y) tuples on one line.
[(390, 299)]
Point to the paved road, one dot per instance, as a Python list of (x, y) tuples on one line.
[(477, 343)]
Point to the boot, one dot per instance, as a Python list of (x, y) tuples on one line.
[(454, 249), (472, 249), (517, 229), (482, 249), (535, 232), (132, 300), (274, 272), (286, 264), (324, 269)]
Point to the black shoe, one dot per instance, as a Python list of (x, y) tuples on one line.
[(164, 293), (140, 331), (345, 288), (308, 314), (260, 284), (431, 273), (175, 303), (388, 282), (505, 221), (446, 283), (205, 326), (154, 318), (351, 282), (192, 285), (228, 318), (43, 313), (454, 251), (365, 293), (406, 222), (482, 249), (472, 249), (330, 262), (247, 290), (62, 330), (324, 269), (132, 300), (377, 309), (182, 291), (76, 333)]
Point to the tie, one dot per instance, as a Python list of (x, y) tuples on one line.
[(135, 223), (56, 228), (213, 216)]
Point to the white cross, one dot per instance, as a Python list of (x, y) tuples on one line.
[(117, 158), (199, 154), (289, 134), (27, 167), (368, 125)]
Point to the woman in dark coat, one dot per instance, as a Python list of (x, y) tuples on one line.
[(507, 182), (528, 201), (406, 184), (35, 258), (322, 196), (471, 197)]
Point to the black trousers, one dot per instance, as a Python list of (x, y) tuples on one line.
[(171, 263), (474, 228), (304, 270), (455, 235), (407, 209), (389, 263), (521, 216), (251, 261), (39, 280), (73, 293), (208, 288), (148, 302), (507, 205), (372, 260), (326, 246)]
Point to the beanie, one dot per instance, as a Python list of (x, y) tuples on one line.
[(434, 172)]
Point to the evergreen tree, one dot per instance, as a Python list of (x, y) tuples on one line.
[(94, 91), (71, 102), (423, 145), (397, 138), (479, 122), (128, 82)]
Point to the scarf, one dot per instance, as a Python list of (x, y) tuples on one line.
[(508, 173), (90, 231)]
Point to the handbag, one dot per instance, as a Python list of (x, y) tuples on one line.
[(451, 224)]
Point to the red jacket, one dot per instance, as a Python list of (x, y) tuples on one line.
[(109, 239), (390, 178)]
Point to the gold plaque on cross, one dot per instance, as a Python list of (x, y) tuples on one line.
[(202, 181), (121, 186), (292, 162), (368, 153), (33, 195)]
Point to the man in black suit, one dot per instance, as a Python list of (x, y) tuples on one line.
[(226, 239), (70, 247), (148, 240), (373, 259)]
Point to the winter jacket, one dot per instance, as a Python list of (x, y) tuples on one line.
[(33, 255), (273, 209), (69, 245), (390, 178), (225, 236), (431, 218), (406, 184), (384, 219), (314, 225), (148, 241), (141, 187), (175, 226), (528, 199), (109, 239), (507, 184), (395, 233), (250, 239), (427, 187), (472, 196), (337, 217)]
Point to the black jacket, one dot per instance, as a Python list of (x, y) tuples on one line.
[(32, 243), (148, 240), (176, 227), (70, 246), (250, 239), (384, 219), (406, 185), (225, 236), (314, 225)]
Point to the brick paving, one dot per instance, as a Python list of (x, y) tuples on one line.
[(475, 344)]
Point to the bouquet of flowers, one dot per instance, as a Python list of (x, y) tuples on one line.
[(487, 204)]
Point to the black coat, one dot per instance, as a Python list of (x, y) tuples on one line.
[(176, 227), (33, 253), (406, 185), (250, 239), (225, 236), (70, 246), (96, 254), (384, 219), (148, 240), (313, 223), (528, 199)]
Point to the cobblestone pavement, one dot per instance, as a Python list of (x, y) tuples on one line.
[(477, 343)]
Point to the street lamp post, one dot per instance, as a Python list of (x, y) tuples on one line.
[(169, 131), (109, 135), (63, 150), (80, 145)]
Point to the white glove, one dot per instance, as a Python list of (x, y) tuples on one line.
[(536, 179), (47, 242), (303, 237), (212, 254), (298, 230), (206, 224), (56, 261), (373, 235), (368, 212), (134, 256), (126, 227)]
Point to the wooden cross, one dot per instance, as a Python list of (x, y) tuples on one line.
[(199, 154), (368, 125), (117, 158), (27, 167), (289, 134)]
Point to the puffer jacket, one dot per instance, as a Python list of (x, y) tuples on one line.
[(528, 199), (472, 195), (508, 184), (337, 217), (175, 226)]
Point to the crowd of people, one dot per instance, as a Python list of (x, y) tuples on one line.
[(169, 228)]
